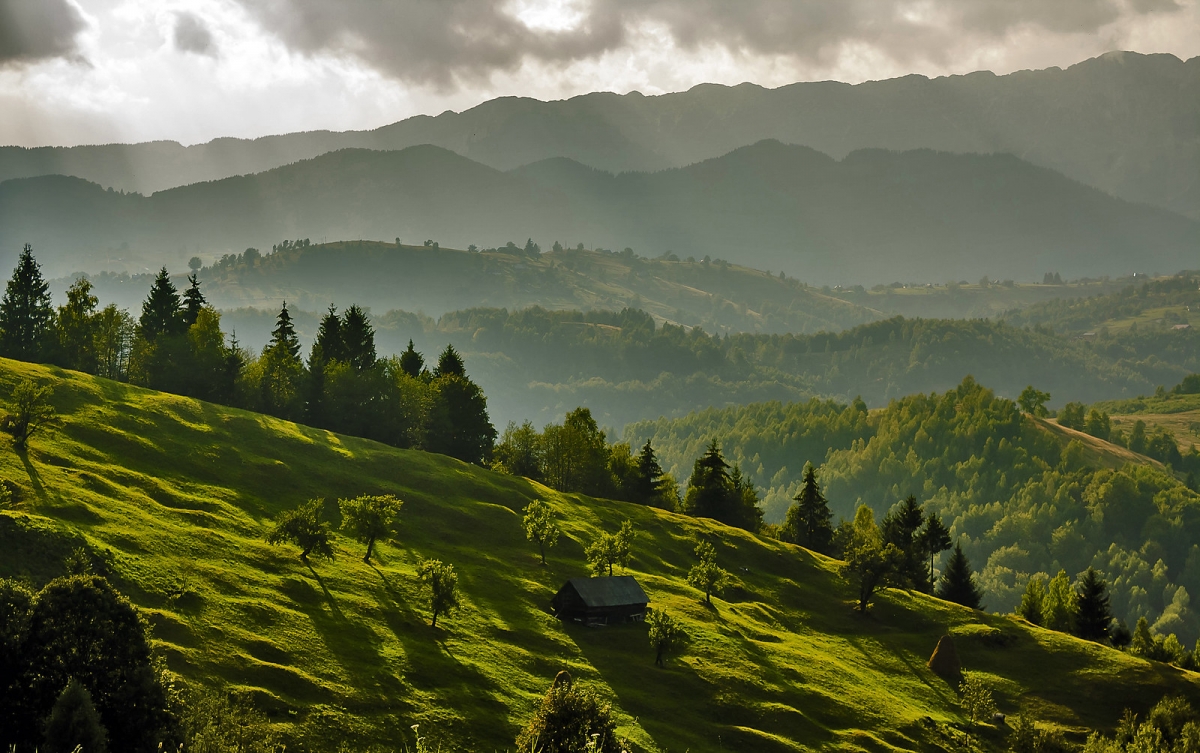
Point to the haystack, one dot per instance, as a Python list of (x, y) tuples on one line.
[(944, 661)]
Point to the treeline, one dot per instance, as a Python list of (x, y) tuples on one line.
[(1021, 502), (176, 345)]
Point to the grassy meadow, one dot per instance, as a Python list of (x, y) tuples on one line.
[(175, 497)]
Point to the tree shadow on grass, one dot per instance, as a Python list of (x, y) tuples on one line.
[(433, 667)]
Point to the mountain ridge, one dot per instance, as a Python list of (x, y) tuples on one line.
[(1146, 148)]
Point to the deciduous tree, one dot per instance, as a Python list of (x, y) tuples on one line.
[(611, 550), (441, 585), (304, 528), (540, 527), (666, 634), (706, 575), (28, 411), (369, 518)]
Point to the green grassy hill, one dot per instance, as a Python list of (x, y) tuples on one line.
[(175, 495)]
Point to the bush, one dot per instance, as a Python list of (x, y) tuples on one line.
[(570, 719), (212, 722)]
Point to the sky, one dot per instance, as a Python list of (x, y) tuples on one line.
[(100, 71)]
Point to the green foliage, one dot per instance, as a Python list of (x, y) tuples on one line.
[(904, 527), (73, 722), (610, 550), (458, 423), (440, 583), (809, 522), (1060, 607), (80, 628), (1033, 601), (162, 313), (958, 582), (369, 518), (76, 325), (976, 698), (216, 722), (570, 719), (29, 411), (1073, 416), (1033, 401), (1171, 726), (715, 492), (519, 451), (303, 527), (26, 317), (666, 635), (706, 576), (540, 527), (1093, 617), (16, 606), (871, 565)]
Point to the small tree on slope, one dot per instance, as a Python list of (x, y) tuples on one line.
[(369, 517), (304, 528), (540, 527), (705, 575), (441, 583)]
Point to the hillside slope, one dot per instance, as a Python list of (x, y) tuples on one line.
[(872, 217), (175, 496), (1122, 122)]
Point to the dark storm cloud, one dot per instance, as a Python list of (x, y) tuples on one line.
[(443, 41), (192, 35), (37, 29)]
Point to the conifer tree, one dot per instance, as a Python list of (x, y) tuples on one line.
[(282, 382), (809, 522), (358, 339), (26, 316), (1093, 616), (74, 723), (934, 539), (958, 583), (709, 488), (450, 363), (329, 346), (193, 300), (161, 311), (901, 528), (647, 478), (1033, 600), (412, 362)]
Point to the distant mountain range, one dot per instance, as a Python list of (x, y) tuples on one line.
[(874, 216), (1126, 123)]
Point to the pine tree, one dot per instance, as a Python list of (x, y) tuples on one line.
[(193, 300), (809, 522), (329, 346), (901, 528), (283, 337), (161, 312), (74, 723), (648, 477), (450, 363), (26, 316), (1093, 616), (934, 539), (958, 583), (709, 487), (358, 339), (412, 362)]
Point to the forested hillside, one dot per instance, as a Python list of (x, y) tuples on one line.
[(872, 217), (172, 500), (1022, 498), (1113, 122), (1152, 306)]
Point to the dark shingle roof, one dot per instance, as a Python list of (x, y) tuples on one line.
[(613, 591)]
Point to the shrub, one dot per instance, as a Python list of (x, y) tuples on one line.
[(74, 723), (570, 719)]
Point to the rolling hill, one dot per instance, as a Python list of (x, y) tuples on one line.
[(872, 217), (175, 496), (1123, 122)]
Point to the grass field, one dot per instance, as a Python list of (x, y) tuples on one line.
[(176, 496)]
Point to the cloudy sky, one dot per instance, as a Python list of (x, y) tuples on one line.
[(88, 71)]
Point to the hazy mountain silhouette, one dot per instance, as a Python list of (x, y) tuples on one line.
[(874, 216), (1126, 123)]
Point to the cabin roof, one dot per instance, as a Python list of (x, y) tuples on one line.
[(612, 591)]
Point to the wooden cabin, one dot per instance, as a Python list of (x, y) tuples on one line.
[(601, 601)]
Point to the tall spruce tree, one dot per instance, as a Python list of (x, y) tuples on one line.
[(1093, 618), (329, 347), (450, 363), (901, 527), (958, 583), (162, 312), (809, 522), (358, 339), (934, 539), (282, 370), (412, 362), (709, 487), (26, 316), (193, 300), (648, 477)]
